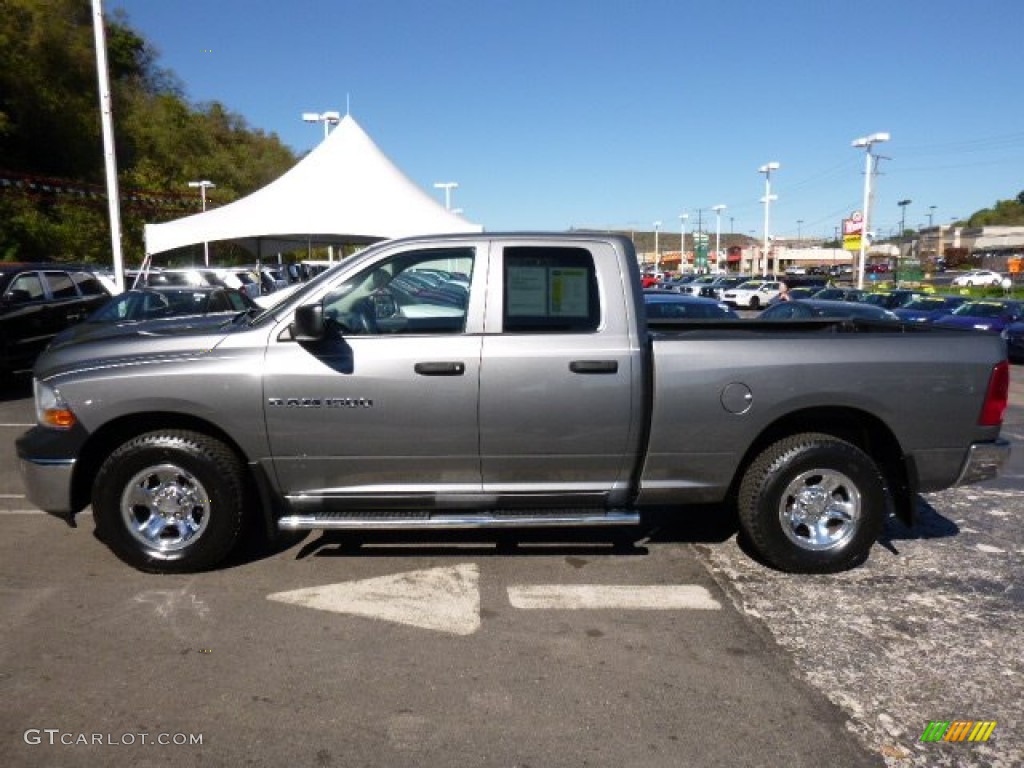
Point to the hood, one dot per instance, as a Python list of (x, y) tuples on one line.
[(971, 322), (98, 344), (159, 327)]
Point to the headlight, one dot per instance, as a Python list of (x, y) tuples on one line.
[(51, 410)]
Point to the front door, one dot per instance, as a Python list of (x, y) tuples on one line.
[(383, 412)]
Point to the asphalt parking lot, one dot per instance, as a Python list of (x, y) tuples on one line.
[(669, 646)]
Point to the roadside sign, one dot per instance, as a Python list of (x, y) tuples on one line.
[(853, 229)]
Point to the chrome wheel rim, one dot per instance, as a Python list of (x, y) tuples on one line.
[(165, 508), (820, 510)]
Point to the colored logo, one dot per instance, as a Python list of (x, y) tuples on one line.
[(958, 730)]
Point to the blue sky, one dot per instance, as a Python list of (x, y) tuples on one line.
[(558, 113)]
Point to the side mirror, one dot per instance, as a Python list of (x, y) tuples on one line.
[(309, 323)]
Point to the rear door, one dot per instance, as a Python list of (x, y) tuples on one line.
[(560, 378)]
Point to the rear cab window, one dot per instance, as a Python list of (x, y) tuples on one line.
[(550, 290)]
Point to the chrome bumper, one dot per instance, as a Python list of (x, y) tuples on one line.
[(48, 483), (983, 462)]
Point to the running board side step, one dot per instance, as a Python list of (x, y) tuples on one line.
[(439, 521)]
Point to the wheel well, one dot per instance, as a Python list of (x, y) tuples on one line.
[(110, 436), (862, 429)]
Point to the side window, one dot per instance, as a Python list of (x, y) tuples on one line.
[(218, 302), (61, 285), (25, 288), (236, 301), (87, 284), (413, 292), (550, 290)]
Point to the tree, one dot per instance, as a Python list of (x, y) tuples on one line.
[(50, 130)]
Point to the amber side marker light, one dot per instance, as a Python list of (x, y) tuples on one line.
[(997, 397), (60, 418)]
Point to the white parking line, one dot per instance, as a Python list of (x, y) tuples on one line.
[(598, 596)]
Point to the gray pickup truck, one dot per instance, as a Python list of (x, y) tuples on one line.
[(507, 381)]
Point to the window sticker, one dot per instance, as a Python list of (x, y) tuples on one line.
[(527, 291), (569, 292)]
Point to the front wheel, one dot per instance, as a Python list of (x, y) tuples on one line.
[(754, 302), (170, 501), (812, 503)]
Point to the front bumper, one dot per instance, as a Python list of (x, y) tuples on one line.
[(48, 484), (46, 462), (983, 461)]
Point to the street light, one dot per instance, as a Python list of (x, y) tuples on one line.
[(718, 234), (869, 168), (682, 240), (657, 252), (903, 225), (447, 186), (799, 231), (203, 186), (327, 118), (767, 169)]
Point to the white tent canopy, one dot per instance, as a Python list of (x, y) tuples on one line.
[(344, 191)]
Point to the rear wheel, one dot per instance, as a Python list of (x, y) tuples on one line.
[(170, 501), (754, 302), (812, 503)]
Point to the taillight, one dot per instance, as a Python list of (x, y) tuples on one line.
[(997, 397)]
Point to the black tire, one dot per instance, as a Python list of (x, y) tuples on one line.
[(812, 503), (170, 501), (754, 302)]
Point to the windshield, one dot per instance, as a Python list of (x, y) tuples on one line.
[(979, 309), (928, 304)]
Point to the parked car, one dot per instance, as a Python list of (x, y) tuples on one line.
[(677, 283), (140, 304), (753, 293), (840, 294), (989, 315), (924, 309), (894, 299), (38, 301), (694, 286), (1013, 335), (978, 277), (796, 293), (721, 285), (667, 305), (809, 309)]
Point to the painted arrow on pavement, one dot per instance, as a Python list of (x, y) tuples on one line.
[(448, 599), (442, 599)]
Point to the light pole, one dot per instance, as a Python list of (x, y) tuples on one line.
[(447, 186), (799, 231), (682, 240), (203, 186), (869, 169), (327, 118), (657, 251), (903, 225), (718, 235), (767, 169)]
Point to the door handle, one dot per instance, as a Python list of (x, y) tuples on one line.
[(594, 366), (440, 369)]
